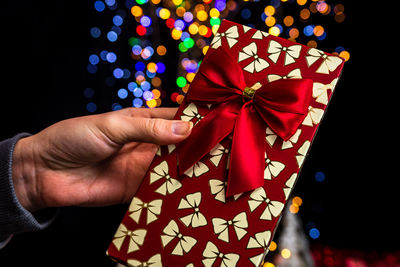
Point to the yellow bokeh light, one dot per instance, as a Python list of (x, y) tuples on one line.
[(156, 2), (270, 21), (177, 2), (136, 11), (156, 93), (304, 14), (312, 43), (214, 13), (203, 30), (198, 7), (202, 15), (161, 50), (269, 10), (274, 31), (318, 30), (297, 200), (288, 21), (294, 33), (193, 28), (268, 264), (185, 88), (156, 81), (313, 7), (215, 28), (176, 34), (151, 103), (179, 99), (273, 246), (205, 49), (180, 11), (285, 253), (190, 76), (301, 2), (294, 208), (164, 13), (344, 54), (152, 67)]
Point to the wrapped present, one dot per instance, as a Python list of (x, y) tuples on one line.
[(215, 199)]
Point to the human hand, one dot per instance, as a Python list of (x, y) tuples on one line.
[(93, 160)]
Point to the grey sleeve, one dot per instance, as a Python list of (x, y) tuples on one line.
[(14, 218)]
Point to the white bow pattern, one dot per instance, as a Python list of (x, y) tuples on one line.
[(217, 188), (292, 140), (289, 185), (320, 91), (260, 240), (185, 243), (230, 34), (211, 253), (191, 112), (136, 238), (259, 35), (302, 152), (291, 52), (196, 219), (239, 223), (161, 171), (273, 208), (153, 209), (154, 261), (258, 64), (329, 63), (197, 169), (216, 154), (294, 74), (273, 168), (270, 136), (313, 116)]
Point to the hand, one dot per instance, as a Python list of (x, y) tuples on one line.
[(92, 160)]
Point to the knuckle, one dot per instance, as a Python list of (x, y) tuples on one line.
[(153, 127)]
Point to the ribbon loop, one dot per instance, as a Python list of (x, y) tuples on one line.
[(281, 104)]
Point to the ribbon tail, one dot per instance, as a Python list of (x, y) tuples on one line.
[(214, 127), (247, 162)]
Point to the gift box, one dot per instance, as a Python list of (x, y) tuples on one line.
[(215, 199)]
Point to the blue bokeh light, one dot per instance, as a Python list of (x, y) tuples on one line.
[(111, 57), (94, 59), (118, 73), (95, 32), (137, 102), (122, 93), (314, 233), (112, 36), (319, 176), (91, 107), (99, 6)]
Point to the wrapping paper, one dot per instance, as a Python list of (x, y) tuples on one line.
[(265, 97)]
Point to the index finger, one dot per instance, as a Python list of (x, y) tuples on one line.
[(162, 113)]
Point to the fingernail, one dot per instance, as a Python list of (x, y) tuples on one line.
[(181, 127)]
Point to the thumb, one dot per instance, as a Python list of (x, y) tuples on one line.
[(123, 129)]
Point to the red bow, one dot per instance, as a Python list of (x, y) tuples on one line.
[(282, 105)]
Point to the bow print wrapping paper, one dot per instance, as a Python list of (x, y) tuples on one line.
[(216, 198)]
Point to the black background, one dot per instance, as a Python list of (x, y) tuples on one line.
[(44, 48)]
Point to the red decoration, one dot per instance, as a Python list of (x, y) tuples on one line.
[(256, 103), (281, 104)]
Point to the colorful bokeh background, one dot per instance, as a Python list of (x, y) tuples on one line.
[(63, 59)]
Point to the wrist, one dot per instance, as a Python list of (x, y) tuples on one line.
[(24, 174)]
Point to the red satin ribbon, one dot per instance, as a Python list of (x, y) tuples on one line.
[(282, 105)]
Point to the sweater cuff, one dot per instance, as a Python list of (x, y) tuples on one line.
[(14, 218)]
